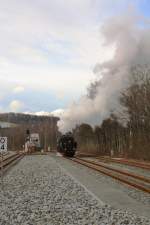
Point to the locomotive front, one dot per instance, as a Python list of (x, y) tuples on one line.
[(67, 145)]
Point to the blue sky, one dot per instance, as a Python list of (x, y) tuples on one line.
[(48, 49), (144, 7)]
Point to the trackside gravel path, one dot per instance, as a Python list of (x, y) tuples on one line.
[(38, 192)]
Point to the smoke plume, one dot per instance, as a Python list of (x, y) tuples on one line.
[(130, 37)]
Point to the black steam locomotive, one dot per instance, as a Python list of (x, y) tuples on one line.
[(67, 145)]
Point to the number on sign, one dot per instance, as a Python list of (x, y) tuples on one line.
[(3, 144)]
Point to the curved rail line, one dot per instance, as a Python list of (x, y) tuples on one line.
[(142, 165), (133, 180)]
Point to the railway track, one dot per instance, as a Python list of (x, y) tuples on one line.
[(134, 163), (134, 180), (9, 160)]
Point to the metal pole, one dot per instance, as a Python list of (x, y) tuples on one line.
[(2, 170), (45, 141)]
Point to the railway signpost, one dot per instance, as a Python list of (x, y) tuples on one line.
[(3, 144), (3, 149)]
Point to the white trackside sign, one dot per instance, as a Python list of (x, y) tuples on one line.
[(3, 144)]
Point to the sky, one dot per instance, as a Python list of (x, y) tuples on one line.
[(49, 48)]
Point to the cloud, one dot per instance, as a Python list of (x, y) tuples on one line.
[(58, 112), (61, 81), (40, 113), (53, 45), (18, 89), (53, 31), (16, 106), (29, 54)]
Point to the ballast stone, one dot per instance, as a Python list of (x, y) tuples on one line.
[(38, 192)]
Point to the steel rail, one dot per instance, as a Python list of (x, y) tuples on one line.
[(133, 175), (10, 156), (7, 161), (114, 174), (128, 162)]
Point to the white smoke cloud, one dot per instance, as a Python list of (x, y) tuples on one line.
[(129, 35)]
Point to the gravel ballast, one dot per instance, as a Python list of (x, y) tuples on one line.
[(38, 192)]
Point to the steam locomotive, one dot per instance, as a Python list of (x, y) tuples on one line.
[(67, 145)]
